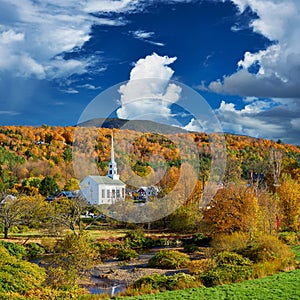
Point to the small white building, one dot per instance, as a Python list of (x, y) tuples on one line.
[(104, 189)]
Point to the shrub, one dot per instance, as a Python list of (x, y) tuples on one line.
[(137, 239), (159, 283), (229, 267), (14, 249), (18, 276), (108, 250), (230, 242), (127, 254), (266, 268), (226, 275), (268, 248), (226, 267), (190, 248), (225, 258), (169, 260), (34, 250), (201, 240), (290, 238), (201, 266)]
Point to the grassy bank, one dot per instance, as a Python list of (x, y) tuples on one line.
[(279, 286)]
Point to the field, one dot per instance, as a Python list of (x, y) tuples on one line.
[(279, 286)]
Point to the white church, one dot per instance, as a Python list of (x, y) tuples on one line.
[(104, 189)]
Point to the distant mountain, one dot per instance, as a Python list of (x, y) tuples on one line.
[(136, 125)]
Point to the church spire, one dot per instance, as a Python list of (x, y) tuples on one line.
[(112, 168), (112, 152)]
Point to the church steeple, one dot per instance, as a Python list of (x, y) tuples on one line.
[(112, 168)]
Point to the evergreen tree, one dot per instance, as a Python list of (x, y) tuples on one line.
[(48, 186)]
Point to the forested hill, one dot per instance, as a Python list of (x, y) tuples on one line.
[(36, 152), (136, 125)]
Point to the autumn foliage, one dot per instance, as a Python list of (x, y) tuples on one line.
[(255, 192)]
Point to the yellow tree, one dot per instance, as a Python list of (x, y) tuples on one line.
[(268, 204), (289, 203)]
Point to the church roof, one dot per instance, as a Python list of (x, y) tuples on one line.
[(106, 180)]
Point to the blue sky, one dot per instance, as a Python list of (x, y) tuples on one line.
[(242, 56)]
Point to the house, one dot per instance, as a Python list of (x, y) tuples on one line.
[(65, 194), (104, 189), (145, 192)]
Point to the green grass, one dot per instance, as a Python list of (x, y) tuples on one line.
[(296, 250), (279, 286)]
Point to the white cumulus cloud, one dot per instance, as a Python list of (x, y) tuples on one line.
[(148, 94)]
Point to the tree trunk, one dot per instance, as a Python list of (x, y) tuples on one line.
[(5, 232)]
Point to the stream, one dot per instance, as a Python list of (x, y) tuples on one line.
[(105, 286)]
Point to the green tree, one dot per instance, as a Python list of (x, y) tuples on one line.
[(71, 259), (67, 213), (68, 157), (186, 218), (48, 186), (12, 209)]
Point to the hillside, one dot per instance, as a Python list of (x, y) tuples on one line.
[(47, 151), (135, 125)]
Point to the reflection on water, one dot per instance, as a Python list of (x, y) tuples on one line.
[(105, 286)]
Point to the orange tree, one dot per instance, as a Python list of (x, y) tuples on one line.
[(232, 209)]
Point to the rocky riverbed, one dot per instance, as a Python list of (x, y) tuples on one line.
[(113, 273)]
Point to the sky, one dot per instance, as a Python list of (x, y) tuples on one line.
[(242, 57)]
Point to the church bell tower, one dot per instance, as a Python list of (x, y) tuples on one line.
[(112, 168)]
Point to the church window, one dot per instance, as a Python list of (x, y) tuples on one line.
[(108, 193), (103, 193), (113, 193)]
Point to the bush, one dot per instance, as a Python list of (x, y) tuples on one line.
[(108, 250), (268, 248), (229, 267), (226, 275), (201, 240), (169, 260), (191, 248), (34, 250), (201, 266), (225, 258), (127, 254), (18, 276), (290, 238), (14, 249), (266, 268), (159, 283), (136, 239), (230, 242)]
